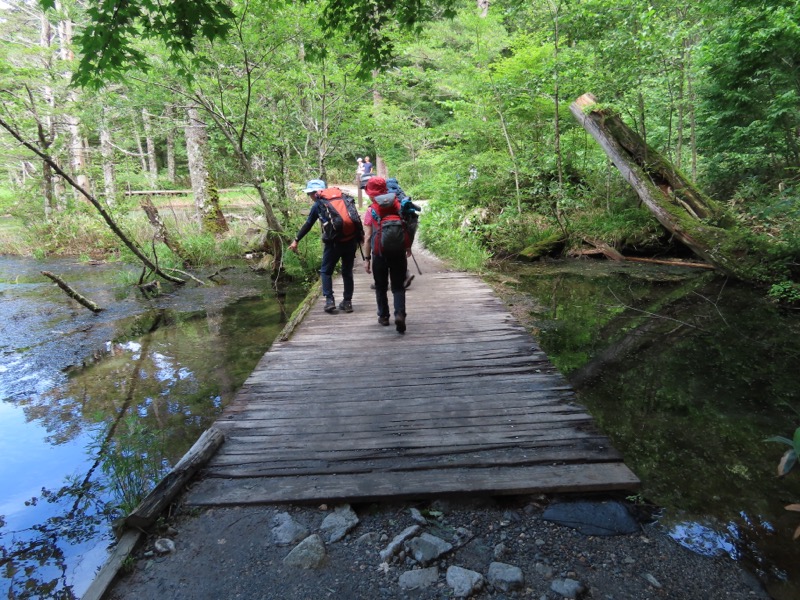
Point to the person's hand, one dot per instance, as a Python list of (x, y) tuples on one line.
[(293, 246), (368, 266), (408, 252)]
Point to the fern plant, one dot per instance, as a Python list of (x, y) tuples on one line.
[(789, 460)]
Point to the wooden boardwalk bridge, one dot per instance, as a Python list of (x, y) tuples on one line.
[(464, 403)]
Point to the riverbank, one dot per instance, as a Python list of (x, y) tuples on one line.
[(498, 548)]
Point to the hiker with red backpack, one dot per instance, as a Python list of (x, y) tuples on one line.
[(387, 245), (342, 232)]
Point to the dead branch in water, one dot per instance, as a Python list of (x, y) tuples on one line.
[(72, 293)]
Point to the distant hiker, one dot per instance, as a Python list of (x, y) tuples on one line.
[(359, 171), (367, 174), (388, 244), (342, 232)]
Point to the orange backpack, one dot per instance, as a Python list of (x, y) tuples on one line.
[(340, 219)]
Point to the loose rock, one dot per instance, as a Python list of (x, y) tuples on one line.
[(337, 524), (505, 577), (308, 554), (286, 530), (397, 542), (568, 588), (164, 546), (419, 578), (464, 582), (426, 548)]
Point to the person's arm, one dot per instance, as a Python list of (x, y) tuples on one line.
[(313, 215)]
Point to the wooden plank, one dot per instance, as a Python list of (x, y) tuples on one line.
[(339, 487), (430, 438), (334, 424), (388, 464), (414, 409), (112, 566), (240, 455)]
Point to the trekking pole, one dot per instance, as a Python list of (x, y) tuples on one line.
[(414, 258)]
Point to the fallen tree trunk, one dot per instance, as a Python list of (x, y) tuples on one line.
[(695, 220), (168, 488)]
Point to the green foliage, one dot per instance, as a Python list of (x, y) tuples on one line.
[(751, 92), (789, 458), (200, 249), (623, 226), (373, 26), (132, 462), (785, 292), (446, 231), (108, 42), (8, 199), (73, 234)]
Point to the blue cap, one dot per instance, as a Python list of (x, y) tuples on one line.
[(315, 185)]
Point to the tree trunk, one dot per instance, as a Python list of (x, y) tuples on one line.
[(196, 140), (674, 201), (107, 152), (151, 146), (45, 127), (76, 150), (206, 194), (142, 155), (170, 114)]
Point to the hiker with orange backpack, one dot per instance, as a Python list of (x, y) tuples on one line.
[(387, 245), (342, 233)]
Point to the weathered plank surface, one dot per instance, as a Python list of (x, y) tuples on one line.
[(464, 402)]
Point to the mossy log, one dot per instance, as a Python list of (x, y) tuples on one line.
[(300, 312), (694, 219), (542, 247)]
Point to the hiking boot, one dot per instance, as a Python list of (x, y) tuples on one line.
[(408, 281), (400, 323), (383, 320), (330, 305), (346, 306)]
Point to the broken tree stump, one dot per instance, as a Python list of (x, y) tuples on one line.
[(694, 219)]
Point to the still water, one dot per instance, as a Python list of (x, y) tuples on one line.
[(688, 373), (95, 408)]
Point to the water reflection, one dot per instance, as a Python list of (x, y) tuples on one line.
[(687, 373), (95, 409)]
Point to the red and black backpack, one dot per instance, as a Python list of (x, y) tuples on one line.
[(340, 219), (389, 233)]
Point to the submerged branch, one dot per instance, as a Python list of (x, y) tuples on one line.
[(81, 299)]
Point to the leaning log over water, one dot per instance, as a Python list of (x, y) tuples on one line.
[(151, 507), (682, 209)]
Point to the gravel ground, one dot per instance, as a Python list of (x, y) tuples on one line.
[(240, 553)]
